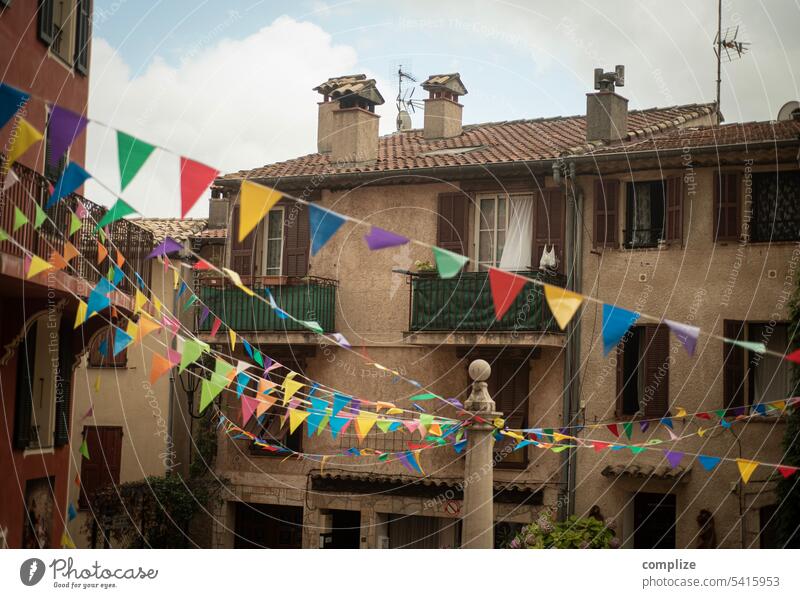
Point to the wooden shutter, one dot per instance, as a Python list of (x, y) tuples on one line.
[(23, 407), (673, 209), (82, 28), (620, 401), (296, 240), (606, 199), (656, 363), (548, 225), (733, 366), (727, 206), (452, 224), (105, 457), (46, 21), (109, 360), (508, 386), (66, 358), (242, 254)]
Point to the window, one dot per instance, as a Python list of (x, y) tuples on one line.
[(645, 212), (104, 444), (606, 199), (492, 226), (776, 206), (65, 25), (643, 372), (273, 243), (35, 408), (271, 427), (53, 173), (101, 351), (509, 387), (750, 378)]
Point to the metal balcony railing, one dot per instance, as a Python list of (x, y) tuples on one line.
[(464, 304), (307, 298)]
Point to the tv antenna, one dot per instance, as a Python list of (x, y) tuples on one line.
[(728, 48), (405, 99)]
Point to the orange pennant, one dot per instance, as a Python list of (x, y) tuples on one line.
[(120, 259), (57, 261), (146, 326), (70, 251), (102, 252), (159, 367)]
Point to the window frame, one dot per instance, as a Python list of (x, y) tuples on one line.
[(630, 203), (650, 335), (266, 240), (757, 205), (96, 361)]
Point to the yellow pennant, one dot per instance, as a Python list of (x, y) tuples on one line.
[(176, 277), (232, 335), (563, 304), (80, 315), (290, 386), (364, 423), (296, 417), (681, 412), (66, 541), (157, 305), (394, 411), (701, 432), (97, 383), (139, 302), (746, 468), (132, 330), (383, 405), (26, 136), (254, 202), (234, 276), (38, 265)]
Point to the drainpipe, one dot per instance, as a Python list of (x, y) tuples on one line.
[(571, 394)]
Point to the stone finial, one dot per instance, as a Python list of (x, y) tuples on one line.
[(479, 399)]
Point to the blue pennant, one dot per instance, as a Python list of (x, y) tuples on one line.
[(616, 322)]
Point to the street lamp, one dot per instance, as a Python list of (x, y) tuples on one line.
[(190, 381)]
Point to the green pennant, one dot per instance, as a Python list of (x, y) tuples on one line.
[(448, 263), (192, 350), (558, 449), (3, 235), (258, 358), (20, 219), (101, 235), (74, 224), (85, 450), (39, 216), (133, 153), (628, 427), (311, 325), (384, 425), (190, 302), (637, 449), (223, 368), (426, 419), (212, 387), (750, 346), (119, 210)]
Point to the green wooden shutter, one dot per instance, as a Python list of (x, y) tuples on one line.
[(23, 408)]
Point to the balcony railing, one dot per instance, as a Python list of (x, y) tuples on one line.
[(640, 238), (133, 241), (308, 298), (464, 304)]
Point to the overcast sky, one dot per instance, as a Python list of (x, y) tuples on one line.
[(229, 83)]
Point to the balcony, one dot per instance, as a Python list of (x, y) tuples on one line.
[(307, 298), (464, 305)]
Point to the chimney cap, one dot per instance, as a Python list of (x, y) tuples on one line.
[(450, 81), (359, 85)]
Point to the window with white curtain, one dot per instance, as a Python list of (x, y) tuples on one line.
[(504, 231), (273, 243)]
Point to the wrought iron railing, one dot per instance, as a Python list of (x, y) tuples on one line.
[(643, 237), (133, 241), (308, 298), (464, 303)]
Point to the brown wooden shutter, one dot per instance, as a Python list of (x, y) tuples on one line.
[(548, 226), (508, 385), (674, 209), (105, 457), (733, 368), (452, 224), (606, 198), (66, 359), (620, 401), (656, 363), (23, 406), (242, 254), (727, 206), (296, 240)]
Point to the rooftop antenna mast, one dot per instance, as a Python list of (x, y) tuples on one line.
[(405, 99), (727, 47)]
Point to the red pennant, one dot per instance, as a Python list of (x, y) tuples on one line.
[(599, 446), (505, 288), (215, 326), (703, 415), (786, 471), (202, 265), (195, 179), (794, 356), (613, 429)]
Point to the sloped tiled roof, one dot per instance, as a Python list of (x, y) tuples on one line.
[(178, 229), (212, 233), (482, 144), (716, 136)]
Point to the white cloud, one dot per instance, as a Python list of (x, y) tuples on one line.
[(233, 104)]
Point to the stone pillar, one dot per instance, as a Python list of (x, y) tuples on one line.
[(477, 529)]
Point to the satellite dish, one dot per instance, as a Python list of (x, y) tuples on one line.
[(403, 121), (788, 109)]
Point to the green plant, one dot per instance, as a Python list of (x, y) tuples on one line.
[(575, 532), (424, 266)]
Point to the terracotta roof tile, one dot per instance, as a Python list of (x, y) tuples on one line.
[(487, 143), (178, 229), (213, 233)]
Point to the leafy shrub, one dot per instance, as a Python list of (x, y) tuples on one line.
[(575, 532)]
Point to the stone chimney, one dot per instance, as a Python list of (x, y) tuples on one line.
[(442, 109), (606, 111), (348, 126), (218, 209)]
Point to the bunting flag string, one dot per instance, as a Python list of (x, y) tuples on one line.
[(11, 100), (324, 225), (25, 135), (63, 128), (195, 179), (132, 153)]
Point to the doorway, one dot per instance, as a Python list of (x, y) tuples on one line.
[(345, 529), (654, 520), (268, 526)]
